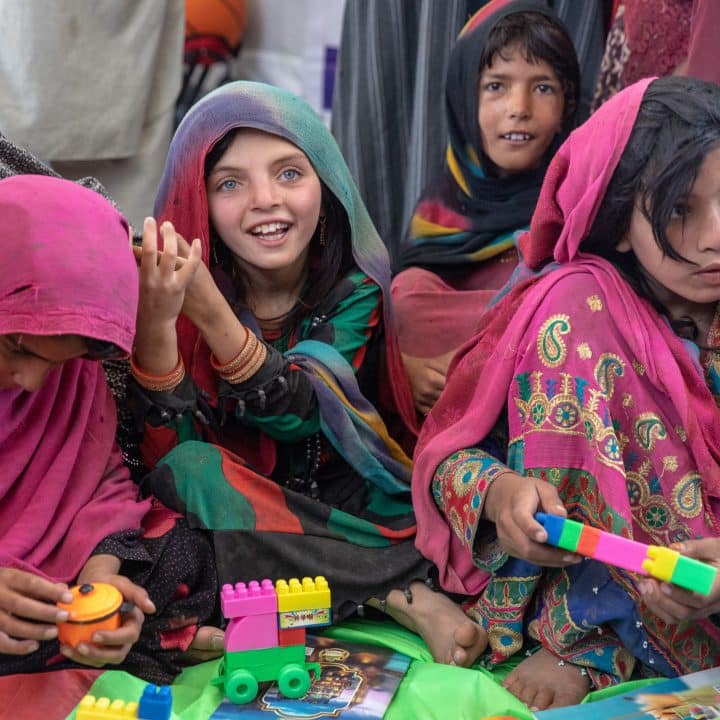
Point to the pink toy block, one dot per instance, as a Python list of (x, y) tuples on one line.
[(621, 552), (252, 599), (255, 632), (291, 636)]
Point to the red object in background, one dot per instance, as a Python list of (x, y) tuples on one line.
[(225, 20)]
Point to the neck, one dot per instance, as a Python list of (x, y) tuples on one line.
[(272, 294)]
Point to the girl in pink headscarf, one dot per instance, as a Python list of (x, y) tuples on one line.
[(69, 512), (603, 372)]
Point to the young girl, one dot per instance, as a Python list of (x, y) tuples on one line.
[(512, 90), (273, 413), (604, 370), (69, 513)]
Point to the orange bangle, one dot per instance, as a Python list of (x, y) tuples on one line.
[(249, 368), (158, 383), (246, 352)]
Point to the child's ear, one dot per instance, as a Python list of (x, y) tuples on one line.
[(624, 245)]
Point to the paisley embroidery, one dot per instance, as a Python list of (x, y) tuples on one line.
[(687, 496), (550, 345), (608, 368), (649, 429)]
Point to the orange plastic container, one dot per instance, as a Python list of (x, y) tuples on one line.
[(94, 607)]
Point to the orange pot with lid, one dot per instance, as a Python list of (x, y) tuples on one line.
[(94, 607)]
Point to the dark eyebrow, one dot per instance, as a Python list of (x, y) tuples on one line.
[(293, 158), (502, 76)]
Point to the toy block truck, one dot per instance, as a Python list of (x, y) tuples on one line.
[(265, 636)]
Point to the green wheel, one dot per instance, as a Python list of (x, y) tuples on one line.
[(293, 681), (241, 687)]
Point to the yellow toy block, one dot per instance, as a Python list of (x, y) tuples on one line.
[(308, 595), (91, 708), (661, 562)]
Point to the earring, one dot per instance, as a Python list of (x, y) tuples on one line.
[(322, 231)]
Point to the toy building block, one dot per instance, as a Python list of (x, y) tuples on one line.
[(305, 618), (252, 611), (155, 703), (308, 595), (291, 636), (91, 708), (658, 562), (252, 599)]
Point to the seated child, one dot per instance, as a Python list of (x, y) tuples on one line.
[(604, 369), (267, 375), (69, 512), (511, 93)]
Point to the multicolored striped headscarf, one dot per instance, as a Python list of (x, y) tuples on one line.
[(467, 215), (182, 199)]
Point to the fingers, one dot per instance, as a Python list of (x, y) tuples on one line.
[(134, 594), (108, 647), (10, 646), (169, 254), (148, 249), (707, 549), (548, 499), (194, 258)]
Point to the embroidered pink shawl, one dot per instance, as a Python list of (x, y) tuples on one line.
[(67, 269), (482, 372)]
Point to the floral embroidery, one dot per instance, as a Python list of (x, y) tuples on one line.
[(594, 303), (627, 400), (550, 345), (680, 432), (670, 462), (584, 351), (638, 367)]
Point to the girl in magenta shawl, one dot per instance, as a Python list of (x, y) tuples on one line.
[(69, 512), (603, 371)]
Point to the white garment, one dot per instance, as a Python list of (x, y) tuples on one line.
[(83, 81)]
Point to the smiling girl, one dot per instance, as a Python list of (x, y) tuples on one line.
[(274, 402), (512, 90)]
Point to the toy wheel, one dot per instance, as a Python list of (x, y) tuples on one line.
[(241, 687), (293, 681)]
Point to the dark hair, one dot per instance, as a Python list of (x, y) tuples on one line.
[(540, 38), (327, 262), (677, 125)]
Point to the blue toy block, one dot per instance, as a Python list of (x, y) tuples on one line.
[(553, 525), (155, 703)]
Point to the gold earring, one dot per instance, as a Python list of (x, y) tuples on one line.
[(322, 231)]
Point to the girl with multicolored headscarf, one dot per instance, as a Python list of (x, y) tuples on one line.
[(69, 512), (276, 410), (603, 367), (511, 93)]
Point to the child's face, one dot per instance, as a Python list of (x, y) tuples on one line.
[(264, 200), (694, 232), (520, 110), (26, 360)]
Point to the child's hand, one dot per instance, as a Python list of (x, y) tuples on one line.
[(427, 379), (110, 647), (28, 613), (511, 503), (163, 279), (674, 604)]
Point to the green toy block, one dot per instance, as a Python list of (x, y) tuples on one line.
[(694, 575), (570, 535)]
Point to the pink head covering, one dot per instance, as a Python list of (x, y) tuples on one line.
[(476, 393), (68, 269)]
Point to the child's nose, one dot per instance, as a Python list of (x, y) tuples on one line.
[(264, 193), (709, 234), (519, 103)]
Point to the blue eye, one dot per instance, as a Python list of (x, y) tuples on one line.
[(290, 174), (227, 185)]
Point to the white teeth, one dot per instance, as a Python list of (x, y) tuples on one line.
[(269, 229), (516, 136)]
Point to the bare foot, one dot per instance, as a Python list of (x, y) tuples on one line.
[(453, 638), (541, 683), (206, 645)]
